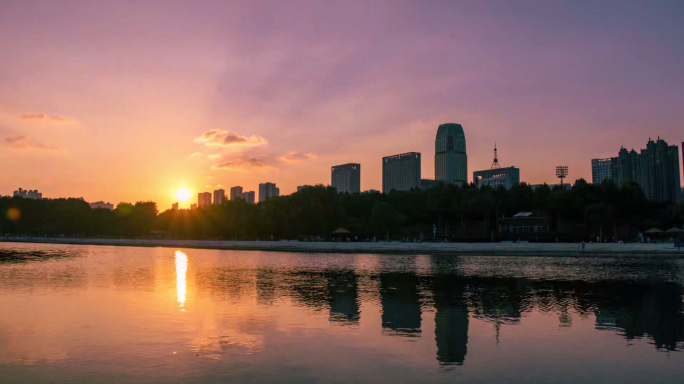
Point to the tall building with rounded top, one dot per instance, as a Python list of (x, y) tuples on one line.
[(451, 161)]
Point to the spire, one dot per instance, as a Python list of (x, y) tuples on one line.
[(495, 164)]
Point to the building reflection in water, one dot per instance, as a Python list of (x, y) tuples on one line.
[(343, 298), (181, 272), (400, 300)]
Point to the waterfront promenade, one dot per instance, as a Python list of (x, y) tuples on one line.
[(547, 249)]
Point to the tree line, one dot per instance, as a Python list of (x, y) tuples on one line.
[(464, 213)]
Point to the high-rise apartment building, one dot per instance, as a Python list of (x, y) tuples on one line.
[(236, 192), (30, 194), (451, 161), (249, 197), (401, 172), (174, 206), (268, 190), (101, 205), (601, 169), (219, 196), (203, 198), (346, 178), (655, 169)]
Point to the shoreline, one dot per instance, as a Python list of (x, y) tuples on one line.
[(483, 249)]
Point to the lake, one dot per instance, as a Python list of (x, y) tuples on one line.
[(75, 313)]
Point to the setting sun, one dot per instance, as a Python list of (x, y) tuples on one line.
[(183, 194)]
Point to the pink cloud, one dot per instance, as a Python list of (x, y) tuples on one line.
[(45, 117), (23, 142), (223, 138), (243, 165), (296, 157)]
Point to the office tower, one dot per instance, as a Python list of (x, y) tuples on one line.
[(203, 198), (236, 192), (496, 176), (193, 206), (655, 169), (219, 196), (346, 178), (300, 187), (451, 161), (268, 190), (174, 206), (249, 197), (401, 172)]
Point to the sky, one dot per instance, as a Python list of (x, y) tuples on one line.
[(133, 100)]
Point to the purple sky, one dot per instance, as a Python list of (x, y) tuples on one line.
[(109, 100)]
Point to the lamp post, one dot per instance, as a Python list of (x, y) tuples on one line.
[(561, 172)]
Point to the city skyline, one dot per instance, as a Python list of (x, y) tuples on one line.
[(115, 108)]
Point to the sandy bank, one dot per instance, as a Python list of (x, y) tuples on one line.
[(550, 249)]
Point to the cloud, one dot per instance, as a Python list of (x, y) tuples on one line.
[(23, 142), (213, 186), (243, 165), (211, 156), (296, 157), (228, 139), (44, 117)]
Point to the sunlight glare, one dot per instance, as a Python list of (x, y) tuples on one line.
[(183, 194), (181, 270)]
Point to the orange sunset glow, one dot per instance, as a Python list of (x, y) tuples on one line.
[(205, 96)]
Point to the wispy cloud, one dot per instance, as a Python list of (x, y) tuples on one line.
[(45, 117), (213, 186), (296, 157), (196, 154), (214, 156), (242, 165), (228, 139), (23, 142)]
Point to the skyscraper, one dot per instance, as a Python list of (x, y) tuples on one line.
[(451, 161), (203, 198), (346, 178), (236, 192), (219, 196), (655, 169), (268, 190), (249, 197), (401, 172)]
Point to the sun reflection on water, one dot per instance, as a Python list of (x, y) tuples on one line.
[(181, 270)]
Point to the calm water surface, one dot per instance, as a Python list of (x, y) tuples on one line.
[(73, 313)]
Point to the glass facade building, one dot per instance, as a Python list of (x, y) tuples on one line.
[(401, 172), (451, 160), (346, 178)]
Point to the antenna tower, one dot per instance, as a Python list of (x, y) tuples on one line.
[(495, 164)]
